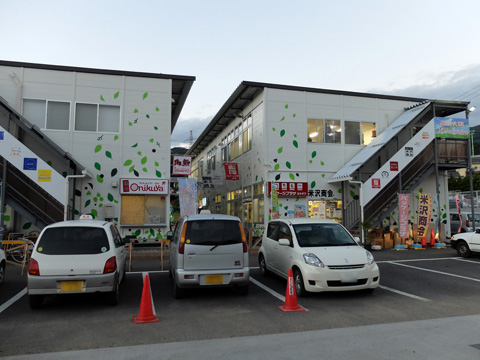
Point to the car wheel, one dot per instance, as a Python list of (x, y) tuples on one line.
[(35, 301), (112, 297), (2, 272), (463, 250), (242, 290), (299, 285), (263, 265), (178, 293)]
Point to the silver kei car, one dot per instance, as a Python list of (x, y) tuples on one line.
[(77, 256), (209, 250)]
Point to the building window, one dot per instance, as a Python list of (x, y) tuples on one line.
[(97, 118), (324, 131), (47, 114), (143, 210), (359, 133)]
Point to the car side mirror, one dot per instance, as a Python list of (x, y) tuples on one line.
[(357, 239), (169, 235), (284, 242)]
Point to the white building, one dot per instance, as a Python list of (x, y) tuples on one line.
[(334, 154), (108, 130)]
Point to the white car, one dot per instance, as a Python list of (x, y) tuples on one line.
[(322, 254), (466, 243), (77, 256), (3, 264)]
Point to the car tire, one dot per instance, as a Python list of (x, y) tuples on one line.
[(2, 272), (463, 250), (35, 301), (178, 293), (113, 296), (263, 265), (299, 284), (242, 290)]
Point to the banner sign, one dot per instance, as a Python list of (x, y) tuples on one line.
[(290, 189), (275, 208), (231, 171), (144, 187), (424, 213), (451, 128), (187, 195), (403, 201), (457, 201), (182, 165)]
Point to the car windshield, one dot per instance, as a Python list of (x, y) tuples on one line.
[(73, 241), (213, 232), (311, 235)]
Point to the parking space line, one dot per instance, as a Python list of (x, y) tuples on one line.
[(413, 260), (7, 304), (465, 260), (403, 293), (436, 272), (270, 291)]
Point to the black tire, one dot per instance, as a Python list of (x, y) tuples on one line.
[(178, 293), (463, 250), (35, 301), (242, 290), (124, 278), (113, 296), (299, 284), (263, 265), (2, 272)]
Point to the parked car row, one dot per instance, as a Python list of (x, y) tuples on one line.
[(463, 222), (207, 250)]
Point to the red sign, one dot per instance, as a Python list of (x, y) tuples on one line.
[(290, 189), (393, 165), (144, 186), (231, 171), (375, 183), (182, 165)]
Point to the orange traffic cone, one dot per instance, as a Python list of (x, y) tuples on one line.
[(291, 296), (146, 313), (423, 242), (432, 238)]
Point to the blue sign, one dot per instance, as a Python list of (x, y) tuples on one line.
[(30, 164), (451, 128), (1, 135)]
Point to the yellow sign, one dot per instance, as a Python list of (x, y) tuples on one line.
[(44, 175)]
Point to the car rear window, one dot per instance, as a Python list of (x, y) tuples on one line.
[(213, 232), (310, 235), (73, 241)]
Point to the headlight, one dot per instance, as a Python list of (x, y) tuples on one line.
[(370, 259), (312, 259)]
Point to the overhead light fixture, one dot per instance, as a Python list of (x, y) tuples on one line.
[(471, 109), (313, 134)]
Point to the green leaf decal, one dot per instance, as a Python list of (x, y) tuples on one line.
[(98, 148), (135, 111), (312, 185), (130, 123), (89, 193), (282, 133), (147, 116), (97, 166), (314, 153), (113, 172), (283, 118), (134, 146), (151, 140), (156, 163), (100, 179), (323, 175), (131, 168), (145, 95), (116, 94), (128, 162), (101, 98), (277, 166), (139, 153), (110, 197), (108, 154), (280, 150), (352, 194), (157, 109), (26, 226), (136, 173), (288, 165), (115, 138), (277, 177), (155, 127), (94, 213), (286, 106), (322, 163), (95, 199), (158, 173), (145, 169), (292, 176), (294, 115), (295, 143)]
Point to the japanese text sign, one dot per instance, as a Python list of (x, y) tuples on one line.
[(182, 165)]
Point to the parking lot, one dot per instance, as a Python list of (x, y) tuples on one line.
[(415, 285)]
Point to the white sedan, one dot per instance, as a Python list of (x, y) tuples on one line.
[(466, 243), (322, 254)]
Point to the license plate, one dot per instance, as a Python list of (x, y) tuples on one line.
[(349, 277), (68, 286), (213, 279)]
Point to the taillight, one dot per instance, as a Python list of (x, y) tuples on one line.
[(467, 223), (33, 268), (181, 246), (110, 265), (244, 239)]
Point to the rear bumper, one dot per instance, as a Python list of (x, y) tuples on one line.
[(199, 278), (49, 285)]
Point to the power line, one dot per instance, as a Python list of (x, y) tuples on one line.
[(460, 96)]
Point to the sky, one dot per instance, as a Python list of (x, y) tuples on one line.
[(417, 48)]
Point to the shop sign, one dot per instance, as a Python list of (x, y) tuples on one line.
[(144, 187), (375, 183), (290, 189), (424, 213), (182, 165), (320, 193), (231, 171), (403, 203), (393, 165)]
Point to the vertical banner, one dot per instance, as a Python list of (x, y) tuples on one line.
[(187, 196), (424, 213), (275, 209), (457, 201), (403, 201)]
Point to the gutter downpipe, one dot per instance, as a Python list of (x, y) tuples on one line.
[(85, 173), (362, 216)]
